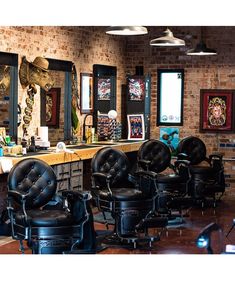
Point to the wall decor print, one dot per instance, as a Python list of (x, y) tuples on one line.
[(104, 89), (53, 107), (136, 89), (170, 136), (136, 128), (216, 110), (86, 100)]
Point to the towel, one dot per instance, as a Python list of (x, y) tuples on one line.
[(6, 164)]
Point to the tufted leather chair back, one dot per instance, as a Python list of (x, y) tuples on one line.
[(34, 177), (157, 152), (112, 162), (194, 148)]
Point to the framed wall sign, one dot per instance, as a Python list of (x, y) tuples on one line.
[(170, 93), (86, 88), (216, 110), (136, 128)]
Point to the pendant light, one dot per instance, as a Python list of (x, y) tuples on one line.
[(167, 40), (201, 49), (126, 30)]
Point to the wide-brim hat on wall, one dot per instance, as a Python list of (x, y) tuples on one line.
[(41, 63)]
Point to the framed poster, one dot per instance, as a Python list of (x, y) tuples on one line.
[(136, 89), (216, 110), (136, 129), (170, 136), (104, 88), (170, 92), (53, 107)]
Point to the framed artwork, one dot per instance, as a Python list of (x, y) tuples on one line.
[(53, 107), (136, 89), (136, 129), (86, 99), (104, 88), (170, 92), (170, 136), (216, 110)]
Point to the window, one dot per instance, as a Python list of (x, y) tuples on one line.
[(170, 97)]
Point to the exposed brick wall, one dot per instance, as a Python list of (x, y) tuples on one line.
[(86, 46), (201, 72)]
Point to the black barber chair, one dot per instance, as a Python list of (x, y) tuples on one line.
[(47, 228), (170, 178), (206, 173), (132, 207)]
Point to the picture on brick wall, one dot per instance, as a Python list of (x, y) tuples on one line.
[(136, 89), (104, 89), (216, 110), (136, 129), (170, 136), (53, 107)]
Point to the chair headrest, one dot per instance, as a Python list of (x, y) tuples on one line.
[(34, 177), (194, 148), (157, 152), (111, 161)]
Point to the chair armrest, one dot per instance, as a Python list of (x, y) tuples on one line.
[(182, 156), (149, 174), (182, 162), (82, 195), (18, 196), (102, 175), (144, 163)]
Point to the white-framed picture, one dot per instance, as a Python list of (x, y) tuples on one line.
[(136, 129)]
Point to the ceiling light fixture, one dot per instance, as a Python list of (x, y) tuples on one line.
[(167, 40), (126, 30), (201, 49)]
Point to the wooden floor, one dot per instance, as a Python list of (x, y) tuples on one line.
[(174, 240)]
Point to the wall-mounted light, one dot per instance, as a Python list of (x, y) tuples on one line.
[(201, 49), (126, 30), (167, 40)]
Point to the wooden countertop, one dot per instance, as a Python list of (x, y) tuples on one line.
[(81, 152)]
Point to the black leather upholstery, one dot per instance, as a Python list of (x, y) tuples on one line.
[(194, 148), (47, 229), (113, 190), (157, 153), (171, 180), (206, 173), (31, 177)]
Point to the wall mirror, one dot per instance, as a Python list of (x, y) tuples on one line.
[(56, 104), (170, 93), (9, 93), (86, 92)]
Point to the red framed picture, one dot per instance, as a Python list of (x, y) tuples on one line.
[(216, 110), (53, 107)]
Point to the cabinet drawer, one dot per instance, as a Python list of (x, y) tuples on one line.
[(76, 183), (76, 168), (62, 185), (62, 171)]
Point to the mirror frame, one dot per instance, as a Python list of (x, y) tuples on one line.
[(86, 92), (11, 59), (161, 91), (65, 66)]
